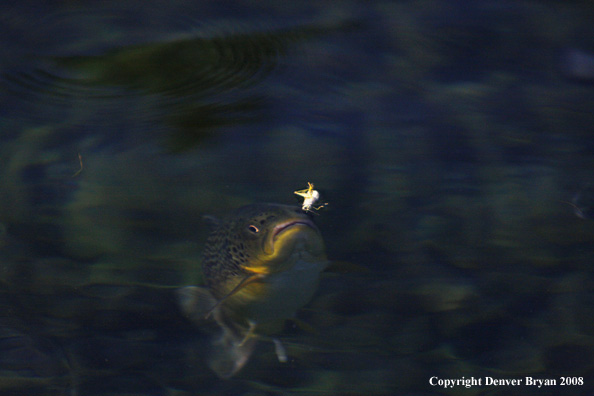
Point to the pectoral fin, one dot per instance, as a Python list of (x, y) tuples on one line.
[(196, 302), (281, 352), (243, 283)]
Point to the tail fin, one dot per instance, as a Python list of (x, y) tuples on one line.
[(232, 345), (230, 353)]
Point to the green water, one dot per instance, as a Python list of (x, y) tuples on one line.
[(451, 140)]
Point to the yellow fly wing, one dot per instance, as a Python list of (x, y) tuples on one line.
[(306, 192)]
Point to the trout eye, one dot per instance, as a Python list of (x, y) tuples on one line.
[(253, 229)]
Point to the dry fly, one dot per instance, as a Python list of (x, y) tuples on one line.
[(310, 197)]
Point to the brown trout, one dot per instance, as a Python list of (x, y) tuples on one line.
[(260, 266)]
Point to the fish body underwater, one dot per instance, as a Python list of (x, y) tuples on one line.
[(260, 266)]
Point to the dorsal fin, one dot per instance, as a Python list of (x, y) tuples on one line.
[(212, 221)]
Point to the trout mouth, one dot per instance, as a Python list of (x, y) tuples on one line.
[(280, 228), (288, 238), (285, 229)]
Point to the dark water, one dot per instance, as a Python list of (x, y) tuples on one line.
[(453, 141)]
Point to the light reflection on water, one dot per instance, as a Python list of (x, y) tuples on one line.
[(454, 154)]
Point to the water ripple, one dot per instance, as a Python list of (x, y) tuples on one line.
[(108, 55), (116, 66)]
